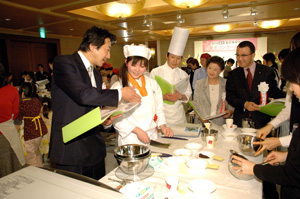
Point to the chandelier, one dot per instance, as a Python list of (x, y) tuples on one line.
[(186, 3), (121, 10)]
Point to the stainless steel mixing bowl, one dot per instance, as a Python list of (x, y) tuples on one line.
[(133, 158), (235, 173), (210, 132), (245, 144)]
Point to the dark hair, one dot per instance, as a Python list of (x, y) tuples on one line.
[(249, 44), (41, 65), (171, 53), (216, 60), (258, 61), (194, 61), (31, 75), (290, 69), (270, 57), (230, 60), (3, 79), (50, 61), (123, 74), (95, 36), (189, 59), (283, 53), (29, 90), (295, 42), (47, 106)]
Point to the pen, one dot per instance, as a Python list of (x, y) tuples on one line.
[(176, 138)]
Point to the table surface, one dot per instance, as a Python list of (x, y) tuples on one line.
[(227, 185)]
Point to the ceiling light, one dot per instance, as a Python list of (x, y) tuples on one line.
[(7, 19), (271, 23), (225, 13), (223, 27), (180, 19), (186, 3), (121, 10), (147, 22), (253, 11)]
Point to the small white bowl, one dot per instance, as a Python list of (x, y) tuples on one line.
[(193, 146), (197, 164), (183, 153), (202, 186), (173, 162), (229, 136), (229, 129), (248, 130)]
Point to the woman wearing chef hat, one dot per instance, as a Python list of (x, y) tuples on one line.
[(138, 126)]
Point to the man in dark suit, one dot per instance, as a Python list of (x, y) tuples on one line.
[(246, 98), (76, 90), (246, 101)]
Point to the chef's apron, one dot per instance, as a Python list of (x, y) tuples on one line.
[(9, 130), (174, 113), (132, 138)]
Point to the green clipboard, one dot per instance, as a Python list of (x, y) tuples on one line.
[(165, 87), (272, 108)]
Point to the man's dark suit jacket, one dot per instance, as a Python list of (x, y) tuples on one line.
[(237, 93), (72, 97)]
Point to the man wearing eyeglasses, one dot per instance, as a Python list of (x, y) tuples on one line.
[(242, 86), (243, 94)]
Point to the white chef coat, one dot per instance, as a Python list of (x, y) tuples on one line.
[(141, 116), (174, 113)]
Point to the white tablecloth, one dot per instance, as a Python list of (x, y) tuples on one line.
[(227, 185)]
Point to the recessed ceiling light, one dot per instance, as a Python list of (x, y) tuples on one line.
[(296, 8), (71, 29), (7, 19)]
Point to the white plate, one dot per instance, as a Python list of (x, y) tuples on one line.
[(207, 153), (202, 186), (229, 129), (193, 146), (249, 130), (183, 153), (197, 164), (174, 161), (229, 136)]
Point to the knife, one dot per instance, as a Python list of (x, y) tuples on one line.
[(162, 155), (159, 144), (176, 138)]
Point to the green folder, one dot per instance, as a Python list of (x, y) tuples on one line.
[(272, 108), (166, 87), (82, 125)]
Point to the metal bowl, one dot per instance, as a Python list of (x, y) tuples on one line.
[(246, 146), (133, 158), (210, 132), (235, 173)]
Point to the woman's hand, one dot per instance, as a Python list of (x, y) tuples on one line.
[(142, 135), (264, 131), (276, 157), (245, 166), (228, 114), (166, 130), (269, 144)]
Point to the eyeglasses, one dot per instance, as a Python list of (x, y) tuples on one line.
[(243, 55)]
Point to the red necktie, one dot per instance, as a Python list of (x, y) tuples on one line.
[(249, 79)]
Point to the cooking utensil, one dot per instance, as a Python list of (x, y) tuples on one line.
[(246, 146), (159, 144), (133, 158), (176, 138), (235, 173)]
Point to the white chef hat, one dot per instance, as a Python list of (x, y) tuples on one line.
[(178, 41), (137, 50)]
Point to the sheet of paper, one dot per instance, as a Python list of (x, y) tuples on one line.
[(182, 85), (186, 130)]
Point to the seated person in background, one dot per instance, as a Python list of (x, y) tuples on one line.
[(211, 94), (138, 126), (287, 175), (41, 74), (30, 77), (228, 66)]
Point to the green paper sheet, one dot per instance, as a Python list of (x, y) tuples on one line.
[(82, 125), (166, 87), (272, 108)]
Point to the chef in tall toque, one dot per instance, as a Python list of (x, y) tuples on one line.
[(174, 111)]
